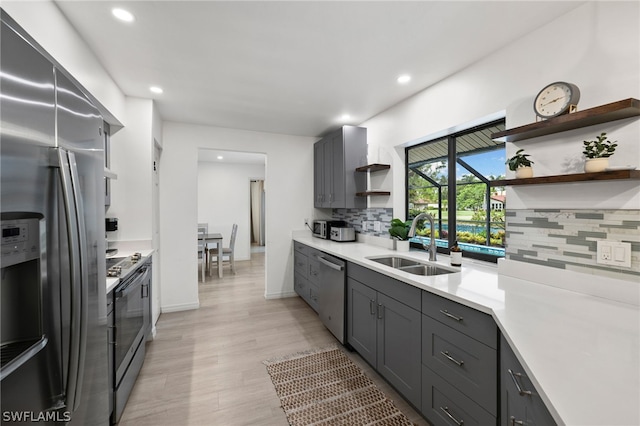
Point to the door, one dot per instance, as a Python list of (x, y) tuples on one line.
[(399, 346), (318, 174), (327, 173), (338, 172), (80, 135), (30, 293), (361, 320)]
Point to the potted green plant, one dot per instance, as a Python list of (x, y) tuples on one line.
[(520, 164), (399, 232), (597, 153)]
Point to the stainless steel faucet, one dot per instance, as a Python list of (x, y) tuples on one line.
[(431, 248)]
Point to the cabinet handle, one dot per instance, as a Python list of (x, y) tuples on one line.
[(514, 422), (521, 391), (452, 359), (372, 307), (445, 312), (446, 411), (380, 310)]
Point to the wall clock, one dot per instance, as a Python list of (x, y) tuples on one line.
[(556, 99)]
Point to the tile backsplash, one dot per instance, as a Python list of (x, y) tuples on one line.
[(566, 239), (355, 217)]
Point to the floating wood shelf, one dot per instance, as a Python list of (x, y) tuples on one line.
[(367, 193), (625, 108), (373, 168), (576, 177)]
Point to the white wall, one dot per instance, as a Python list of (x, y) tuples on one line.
[(131, 160), (46, 24), (289, 176), (224, 199), (596, 46)]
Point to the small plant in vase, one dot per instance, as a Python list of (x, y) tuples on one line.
[(399, 232), (520, 164), (597, 153)]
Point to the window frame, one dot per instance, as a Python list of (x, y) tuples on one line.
[(452, 161)]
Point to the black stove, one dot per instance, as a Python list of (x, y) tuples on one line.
[(121, 266)]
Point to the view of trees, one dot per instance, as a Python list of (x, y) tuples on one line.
[(428, 185)]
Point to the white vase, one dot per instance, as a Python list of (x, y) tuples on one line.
[(402, 245), (524, 172), (594, 165)]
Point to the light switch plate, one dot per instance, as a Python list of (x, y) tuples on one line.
[(613, 253)]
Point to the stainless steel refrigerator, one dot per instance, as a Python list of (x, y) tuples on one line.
[(53, 295)]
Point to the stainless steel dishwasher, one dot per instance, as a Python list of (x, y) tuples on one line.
[(331, 291)]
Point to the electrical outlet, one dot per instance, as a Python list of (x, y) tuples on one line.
[(306, 221), (376, 226), (613, 253)]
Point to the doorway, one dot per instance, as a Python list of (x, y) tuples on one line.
[(224, 196), (257, 206)]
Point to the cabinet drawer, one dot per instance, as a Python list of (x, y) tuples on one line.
[(520, 400), (300, 248), (443, 404), (466, 320), (301, 264), (402, 292), (313, 296), (314, 266), (465, 363), (306, 290), (300, 285)]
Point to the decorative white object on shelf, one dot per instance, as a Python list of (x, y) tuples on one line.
[(524, 172), (594, 165)]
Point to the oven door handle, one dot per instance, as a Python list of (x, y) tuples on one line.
[(125, 291)]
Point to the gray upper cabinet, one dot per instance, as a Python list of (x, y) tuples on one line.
[(335, 159)]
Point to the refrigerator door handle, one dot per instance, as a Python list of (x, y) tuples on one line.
[(79, 297), (25, 356)]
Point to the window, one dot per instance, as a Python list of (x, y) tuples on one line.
[(450, 177)]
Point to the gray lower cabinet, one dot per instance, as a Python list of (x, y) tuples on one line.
[(305, 274), (384, 330), (459, 364), (335, 159), (520, 403)]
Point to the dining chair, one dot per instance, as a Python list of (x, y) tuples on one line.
[(226, 251), (202, 247)]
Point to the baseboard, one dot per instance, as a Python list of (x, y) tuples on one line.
[(180, 307), (280, 295)]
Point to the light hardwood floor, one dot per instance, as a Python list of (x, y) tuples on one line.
[(205, 366)]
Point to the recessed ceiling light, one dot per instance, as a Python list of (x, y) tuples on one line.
[(156, 89), (404, 79), (123, 15), (220, 157), (345, 117)]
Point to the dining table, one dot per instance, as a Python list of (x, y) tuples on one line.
[(215, 238)]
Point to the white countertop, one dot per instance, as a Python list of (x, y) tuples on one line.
[(113, 282), (581, 351)]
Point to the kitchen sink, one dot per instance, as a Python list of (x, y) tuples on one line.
[(411, 266), (426, 270), (395, 262)]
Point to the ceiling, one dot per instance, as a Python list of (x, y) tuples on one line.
[(294, 67)]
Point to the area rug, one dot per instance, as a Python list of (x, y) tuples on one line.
[(324, 387)]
